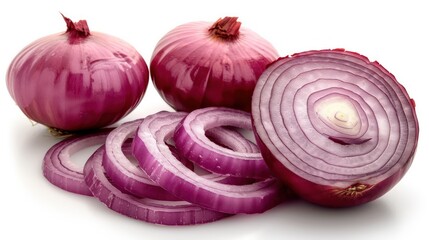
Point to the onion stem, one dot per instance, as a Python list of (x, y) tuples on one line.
[(227, 28), (77, 29)]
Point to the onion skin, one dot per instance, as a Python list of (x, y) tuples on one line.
[(324, 195), (357, 176), (77, 80), (200, 64)]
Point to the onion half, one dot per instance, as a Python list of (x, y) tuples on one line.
[(336, 128)]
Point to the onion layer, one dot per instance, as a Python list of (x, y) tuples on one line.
[(335, 127), (77, 80), (125, 174), (194, 145), (61, 171), (122, 172), (157, 160), (202, 64), (145, 209)]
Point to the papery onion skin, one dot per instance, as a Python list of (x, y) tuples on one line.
[(201, 64), (326, 187), (77, 80)]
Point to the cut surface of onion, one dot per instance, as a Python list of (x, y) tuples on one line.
[(122, 172), (157, 160), (145, 209), (193, 144), (336, 128), (128, 177), (61, 171)]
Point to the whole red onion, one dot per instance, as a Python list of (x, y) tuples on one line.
[(200, 64), (77, 80)]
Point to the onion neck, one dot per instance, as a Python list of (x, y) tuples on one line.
[(77, 29), (227, 28)]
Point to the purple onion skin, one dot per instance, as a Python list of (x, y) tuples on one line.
[(195, 66), (77, 80), (328, 196)]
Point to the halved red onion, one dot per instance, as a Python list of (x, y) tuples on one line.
[(61, 171), (128, 177), (145, 209), (193, 144), (157, 160), (338, 129)]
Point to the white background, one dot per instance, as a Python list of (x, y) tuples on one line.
[(393, 32)]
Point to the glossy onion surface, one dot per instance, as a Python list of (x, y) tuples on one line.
[(77, 80), (201, 64)]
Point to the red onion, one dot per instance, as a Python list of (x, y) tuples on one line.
[(61, 171), (157, 160), (336, 128), (126, 176), (145, 209), (201, 64), (77, 80), (194, 145)]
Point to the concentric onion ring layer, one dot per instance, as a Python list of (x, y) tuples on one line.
[(333, 117)]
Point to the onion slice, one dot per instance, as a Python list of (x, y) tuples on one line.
[(335, 127), (145, 209), (193, 144), (157, 160), (128, 177), (122, 172), (61, 171)]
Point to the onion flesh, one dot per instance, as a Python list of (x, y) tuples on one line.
[(145, 209), (61, 171), (125, 175), (157, 160), (193, 144), (338, 129)]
